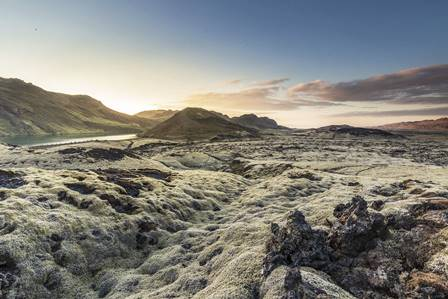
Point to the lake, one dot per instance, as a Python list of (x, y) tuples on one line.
[(54, 140)]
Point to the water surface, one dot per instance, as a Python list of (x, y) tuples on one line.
[(53, 140)]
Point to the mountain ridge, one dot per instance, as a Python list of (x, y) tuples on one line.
[(347, 130), (158, 115), (254, 121), (198, 123), (428, 125), (26, 109)]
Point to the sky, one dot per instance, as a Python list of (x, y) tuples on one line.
[(304, 63)]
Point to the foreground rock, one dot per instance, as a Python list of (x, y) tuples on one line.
[(365, 253)]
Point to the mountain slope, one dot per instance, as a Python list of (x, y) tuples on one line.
[(157, 115), (253, 121), (433, 125), (198, 123), (26, 109), (349, 131)]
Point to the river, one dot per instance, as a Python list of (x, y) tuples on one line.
[(54, 140)]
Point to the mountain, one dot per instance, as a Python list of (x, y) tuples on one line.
[(198, 123), (432, 125), (26, 109), (253, 121), (157, 115), (341, 131)]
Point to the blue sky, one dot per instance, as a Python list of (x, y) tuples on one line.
[(136, 55)]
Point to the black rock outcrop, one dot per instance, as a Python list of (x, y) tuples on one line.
[(367, 254)]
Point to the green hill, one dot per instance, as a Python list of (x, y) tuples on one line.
[(198, 123), (26, 109)]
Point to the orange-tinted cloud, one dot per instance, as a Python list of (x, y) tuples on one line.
[(258, 98), (439, 111), (424, 85), (271, 82)]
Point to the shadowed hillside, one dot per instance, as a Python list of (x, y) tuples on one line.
[(26, 109), (159, 115), (198, 123), (432, 125), (253, 121), (349, 131)]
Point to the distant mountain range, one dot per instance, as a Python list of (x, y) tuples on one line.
[(157, 115), (253, 121), (26, 109), (349, 131), (435, 125), (198, 123)]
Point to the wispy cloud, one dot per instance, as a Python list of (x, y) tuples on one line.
[(233, 82), (259, 98), (309, 103), (271, 82), (269, 95), (439, 111), (424, 85)]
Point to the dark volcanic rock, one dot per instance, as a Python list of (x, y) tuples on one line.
[(8, 274), (111, 154), (304, 174), (3, 195), (6, 227), (53, 280), (81, 188), (124, 178), (154, 173), (11, 180), (295, 244), (365, 254), (120, 205), (113, 173), (377, 205), (145, 237), (132, 189), (68, 199), (71, 151), (356, 228), (387, 191)]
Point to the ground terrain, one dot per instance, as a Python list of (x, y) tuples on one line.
[(290, 214)]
